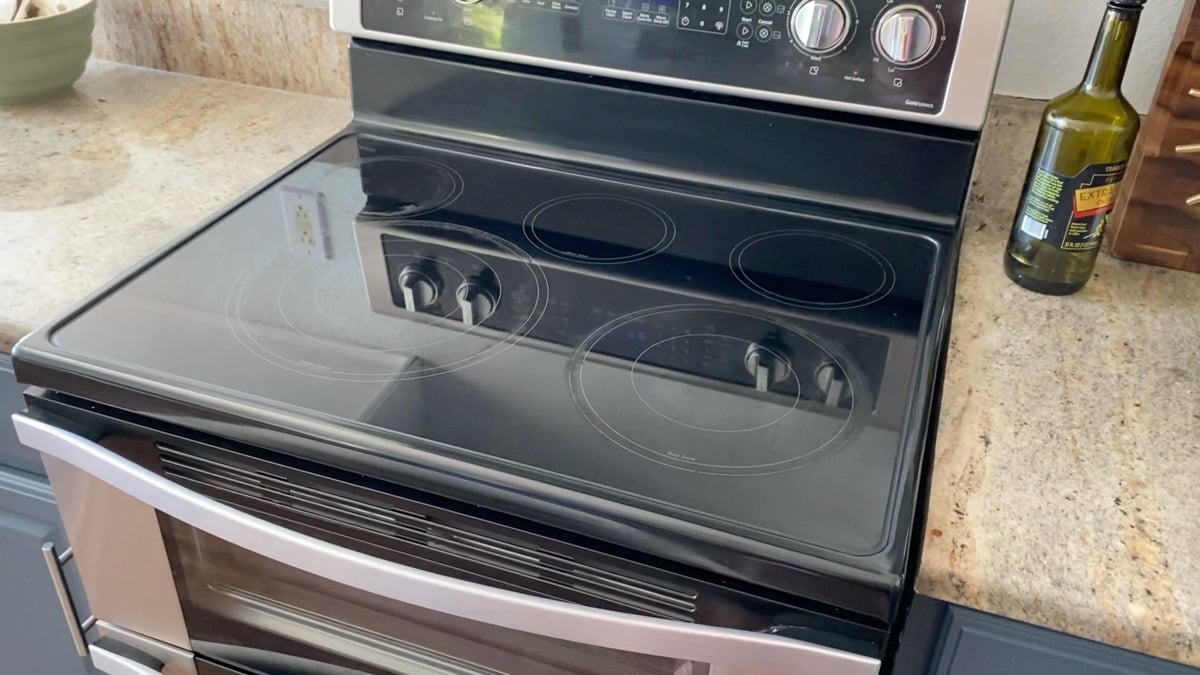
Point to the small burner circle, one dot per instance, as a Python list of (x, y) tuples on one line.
[(406, 187), (771, 264), (573, 228)]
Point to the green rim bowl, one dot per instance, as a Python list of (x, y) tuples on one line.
[(41, 56)]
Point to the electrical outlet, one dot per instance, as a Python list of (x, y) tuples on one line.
[(304, 217)]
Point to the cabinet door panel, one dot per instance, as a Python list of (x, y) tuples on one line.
[(979, 644), (12, 453)]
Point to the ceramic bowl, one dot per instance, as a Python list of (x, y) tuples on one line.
[(46, 54)]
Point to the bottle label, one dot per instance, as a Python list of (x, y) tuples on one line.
[(1072, 212)]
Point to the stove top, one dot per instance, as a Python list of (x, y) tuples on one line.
[(732, 363)]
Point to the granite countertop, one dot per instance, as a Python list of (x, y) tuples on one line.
[(1066, 486), (1066, 482), (96, 179)]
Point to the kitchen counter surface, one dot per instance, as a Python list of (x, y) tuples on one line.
[(1064, 492), (96, 179), (1066, 484)]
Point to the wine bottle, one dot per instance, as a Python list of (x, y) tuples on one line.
[(1083, 146)]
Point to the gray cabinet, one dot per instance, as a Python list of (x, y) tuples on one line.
[(35, 637), (973, 643), (12, 454)]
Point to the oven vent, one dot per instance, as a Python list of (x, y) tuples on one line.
[(223, 480)]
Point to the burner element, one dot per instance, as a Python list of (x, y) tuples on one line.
[(599, 229), (812, 270), (687, 386), (406, 187)]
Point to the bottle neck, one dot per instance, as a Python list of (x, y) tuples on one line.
[(1110, 56)]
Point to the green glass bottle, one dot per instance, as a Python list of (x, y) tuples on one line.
[(1086, 138)]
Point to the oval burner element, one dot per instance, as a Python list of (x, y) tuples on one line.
[(685, 399), (599, 229), (406, 187), (812, 270)]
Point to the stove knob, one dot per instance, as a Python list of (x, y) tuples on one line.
[(906, 35), (767, 365), (419, 288), (832, 382), (477, 300), (820, 26)]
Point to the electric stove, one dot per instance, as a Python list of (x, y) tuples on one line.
[(690, 330)]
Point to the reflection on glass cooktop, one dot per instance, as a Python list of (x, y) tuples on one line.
[(744, 367)]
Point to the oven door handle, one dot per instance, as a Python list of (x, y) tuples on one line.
[(731, 648), (110, 662)]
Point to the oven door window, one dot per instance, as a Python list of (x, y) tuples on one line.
[(251, 612)]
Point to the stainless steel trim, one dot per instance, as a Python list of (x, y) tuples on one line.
[(968, 92), (54, 563), (113, 663), (516, 611), (120, 555), (176, 661), (385, 652)]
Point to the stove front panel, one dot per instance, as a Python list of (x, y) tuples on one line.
[(929, 60)]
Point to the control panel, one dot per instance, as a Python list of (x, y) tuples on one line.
[(870, 56), (452, 277)]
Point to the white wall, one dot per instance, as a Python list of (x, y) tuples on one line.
[(1049, 41)]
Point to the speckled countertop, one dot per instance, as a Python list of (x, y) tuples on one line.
[(1066, 487), (96, 179), (1066, 484)]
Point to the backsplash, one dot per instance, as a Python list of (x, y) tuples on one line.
[(283, 44)]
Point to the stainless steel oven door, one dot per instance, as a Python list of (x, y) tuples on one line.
[(167, 568)]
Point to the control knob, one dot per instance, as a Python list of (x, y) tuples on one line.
[(419, 288), (906, 35), (820, 26), (767, 365), (476, 300), (832, 383)]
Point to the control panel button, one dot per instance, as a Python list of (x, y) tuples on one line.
[(820, 26), (763, 34), (906, 35), (744, 31), (748, 6), (705, 16), (767, 7)]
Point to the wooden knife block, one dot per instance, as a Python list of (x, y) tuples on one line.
[(1157, 218)]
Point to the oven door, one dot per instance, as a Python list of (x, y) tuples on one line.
[(186, 583)]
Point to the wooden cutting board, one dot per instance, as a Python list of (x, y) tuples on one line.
[(1157, 218)]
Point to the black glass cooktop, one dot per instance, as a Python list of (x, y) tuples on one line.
[(743, 367)]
